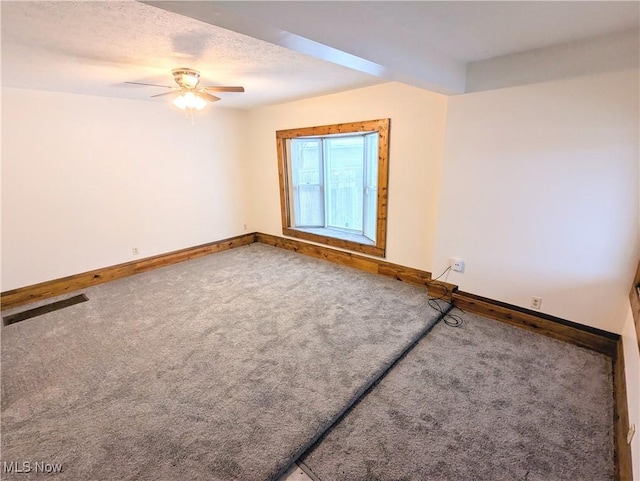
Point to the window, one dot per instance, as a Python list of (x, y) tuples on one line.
[(333, 184)]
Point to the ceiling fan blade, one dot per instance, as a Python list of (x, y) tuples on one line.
[(149, 85), (224, 89), (209, 97), (165, 93)]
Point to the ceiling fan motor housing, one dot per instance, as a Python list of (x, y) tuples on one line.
[(186, 77)]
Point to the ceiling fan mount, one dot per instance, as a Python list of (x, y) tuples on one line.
[(186, 77)]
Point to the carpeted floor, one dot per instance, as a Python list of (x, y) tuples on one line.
[(484, 402), (221, 368)]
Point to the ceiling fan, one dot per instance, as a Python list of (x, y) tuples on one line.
[(189, 95)]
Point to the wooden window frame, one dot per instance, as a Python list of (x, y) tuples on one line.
[(382, 127)]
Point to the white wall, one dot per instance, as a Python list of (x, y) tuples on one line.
[(540, 195), (416, 143), (85, 179)]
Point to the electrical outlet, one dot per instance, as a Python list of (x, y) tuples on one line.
[(456, 264), (632, 431), (244, 226), (536, 302), (135, 251)]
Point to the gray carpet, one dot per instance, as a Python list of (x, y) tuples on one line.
[(224, 367), (486, 401)]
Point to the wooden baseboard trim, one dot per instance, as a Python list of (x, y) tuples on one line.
[(624, 470), (375, 266), (595, 339), (56, 287)]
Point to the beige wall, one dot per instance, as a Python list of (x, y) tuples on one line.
[(85, 179), (540, 195), (416, 141)]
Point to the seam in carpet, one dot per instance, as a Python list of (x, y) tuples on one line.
[(308, 471), (359, 395)]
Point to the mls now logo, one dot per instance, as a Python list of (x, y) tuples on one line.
[(16, 467)]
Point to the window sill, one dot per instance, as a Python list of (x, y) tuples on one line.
[(353, 242), (338, 234)]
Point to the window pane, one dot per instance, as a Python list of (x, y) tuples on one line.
[(371, 186), (307, 174), (310, 211), (307, 161), (345, 182)]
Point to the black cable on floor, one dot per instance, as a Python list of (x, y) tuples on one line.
[(362, 393), (451, 320)]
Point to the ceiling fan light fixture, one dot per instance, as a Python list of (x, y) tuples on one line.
[(189, 100)]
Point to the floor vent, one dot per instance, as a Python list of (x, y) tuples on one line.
[(38, 311)]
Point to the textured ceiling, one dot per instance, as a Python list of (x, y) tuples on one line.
[(94, 47), (281, 51), (424, 43)]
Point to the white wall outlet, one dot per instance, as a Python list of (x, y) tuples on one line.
[(536, 302), (456, 264), (632, 431), (135, 251), (244, 226)]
